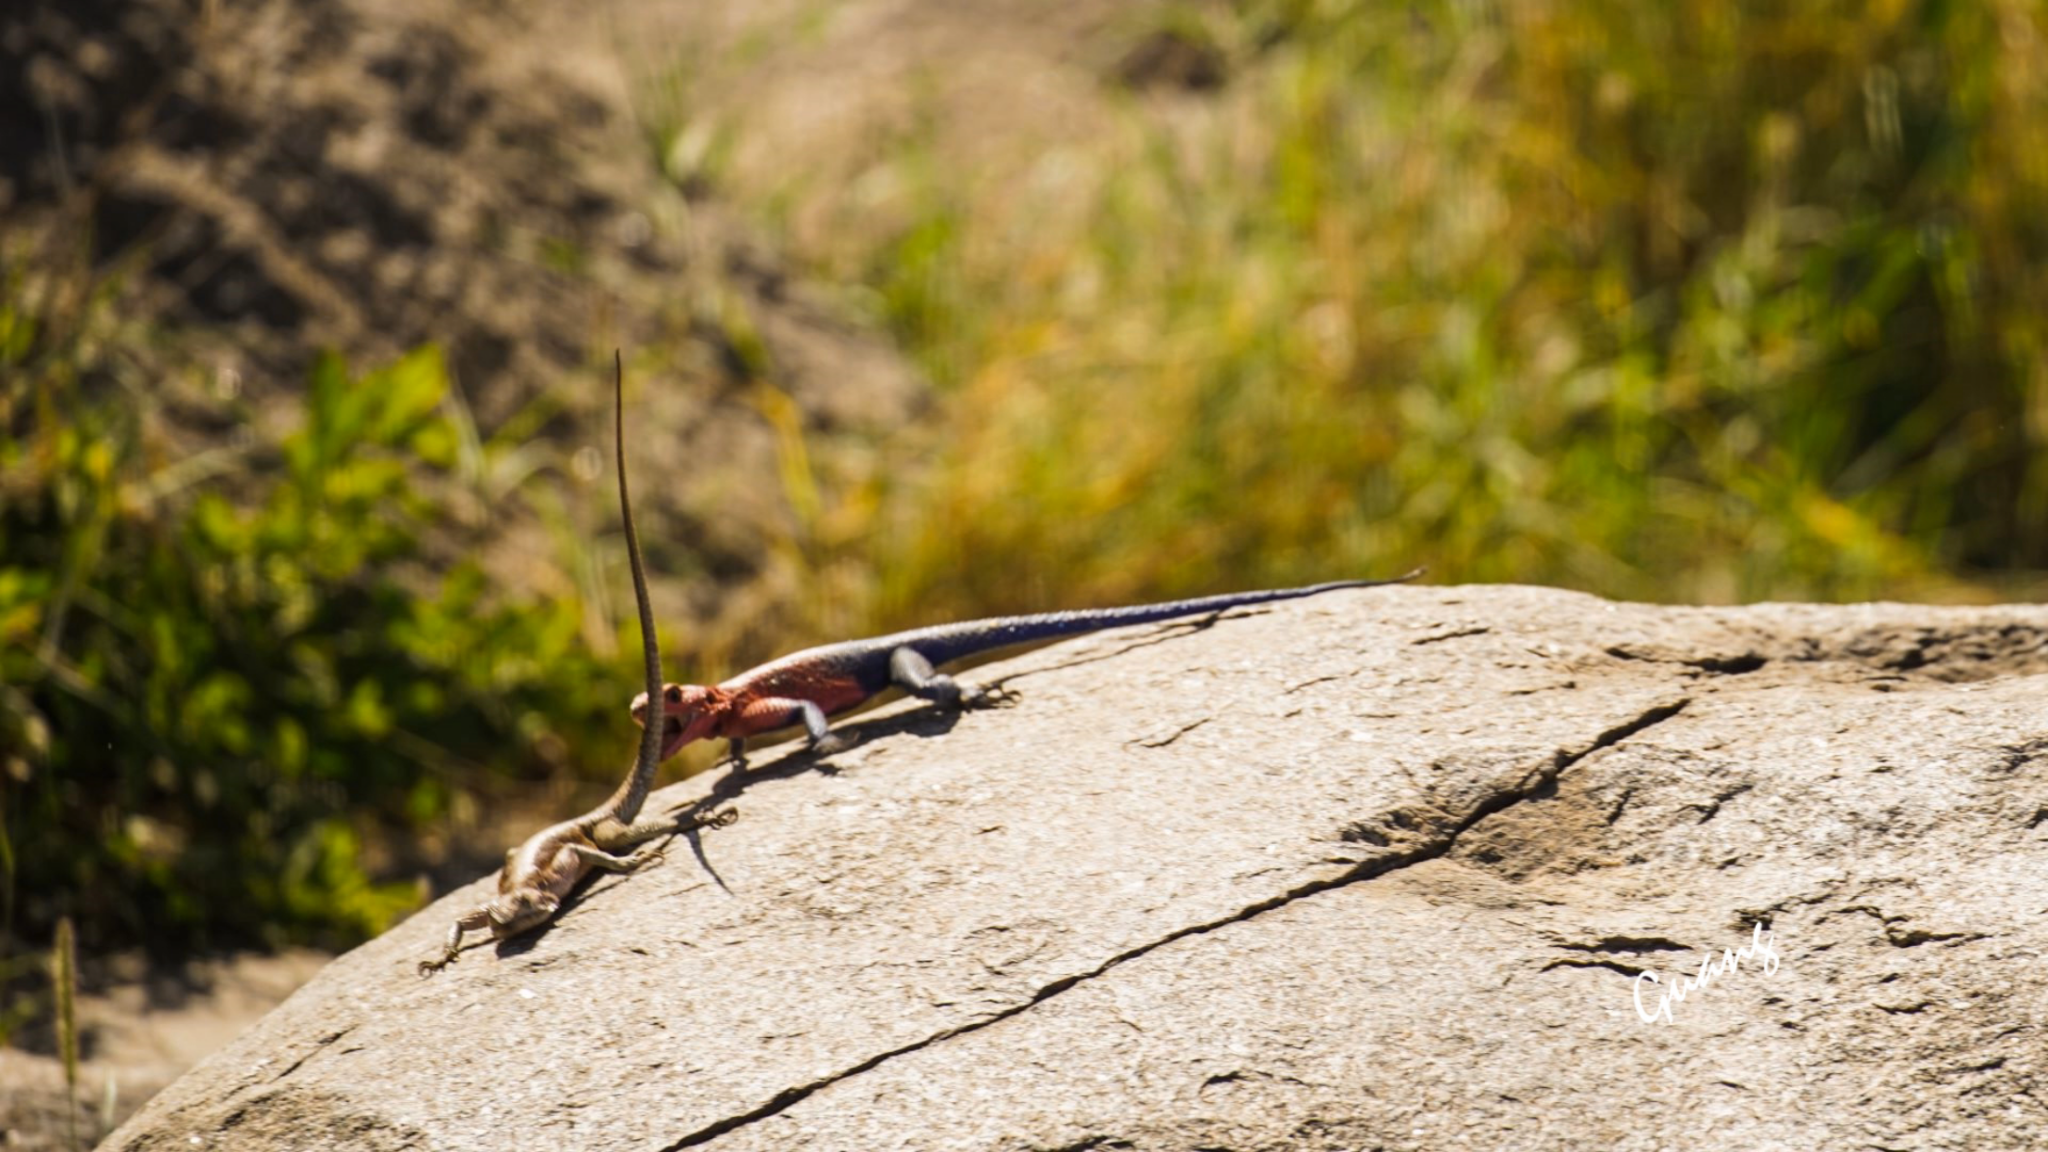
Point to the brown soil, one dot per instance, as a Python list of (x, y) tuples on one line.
[(141, 1031)]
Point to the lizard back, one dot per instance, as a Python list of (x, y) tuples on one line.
[(863, 665)]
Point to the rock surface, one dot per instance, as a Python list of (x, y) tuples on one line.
[(1378, 869)]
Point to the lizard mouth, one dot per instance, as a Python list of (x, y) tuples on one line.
[(671, 736)]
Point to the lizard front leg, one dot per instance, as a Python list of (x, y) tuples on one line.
[(910, 671), (604, 861), (617, 839), (782, 711), (614, 838), (473, 922)]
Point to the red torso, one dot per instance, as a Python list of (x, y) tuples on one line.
[(794, 681)]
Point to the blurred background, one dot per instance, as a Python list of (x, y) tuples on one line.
[(312, 597)]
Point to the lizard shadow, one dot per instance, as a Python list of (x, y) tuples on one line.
[(525, 942), (922, 722), (926, 723), (1171, 630), (599, 882)]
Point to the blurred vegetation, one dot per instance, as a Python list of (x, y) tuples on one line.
[(1700, 301), (223, 681)]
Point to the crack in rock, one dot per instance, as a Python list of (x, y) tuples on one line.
[(1530, 785), (1162, 736), (1611, 965), (1736, 665), (1899, 937), (319, 1046), (1624, 944), (1451, 634)]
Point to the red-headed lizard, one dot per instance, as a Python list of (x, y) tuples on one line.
[(540, 873), (807, 687)]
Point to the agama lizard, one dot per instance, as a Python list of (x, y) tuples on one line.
[(808, 686), (539, 873)]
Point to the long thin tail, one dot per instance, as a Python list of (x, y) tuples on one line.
[(632, 792), (944, 642)]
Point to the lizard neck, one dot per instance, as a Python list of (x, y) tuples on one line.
[(721, 708)]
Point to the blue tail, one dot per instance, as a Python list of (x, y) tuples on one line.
[(944, 642)]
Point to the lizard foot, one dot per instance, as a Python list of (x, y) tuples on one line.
[(995, 696), (722, 818), (429, 967), (831, 743)]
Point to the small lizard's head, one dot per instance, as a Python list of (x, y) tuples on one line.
[(689, 712), (522, 908)]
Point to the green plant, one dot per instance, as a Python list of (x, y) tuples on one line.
[(237, 701), (1702, 301), (64, 988)]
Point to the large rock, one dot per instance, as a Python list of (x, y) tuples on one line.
[(1378, 869)]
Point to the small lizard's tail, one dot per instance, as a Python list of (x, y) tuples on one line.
[(625, 802), (943, 642)]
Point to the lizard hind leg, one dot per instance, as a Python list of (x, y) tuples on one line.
[(912, 672), (470, 922), (603, 861)]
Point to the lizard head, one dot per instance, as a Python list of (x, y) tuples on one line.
[(520, 909), (689, 712)]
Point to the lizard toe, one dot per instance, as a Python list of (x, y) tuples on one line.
[(707, 819), (994, 696)]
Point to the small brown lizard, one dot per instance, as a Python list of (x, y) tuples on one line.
[(539, 873)]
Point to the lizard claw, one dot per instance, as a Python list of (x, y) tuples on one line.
[(994, 696), (429, 967), (830, 743), (722, 818)]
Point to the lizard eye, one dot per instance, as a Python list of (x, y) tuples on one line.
[(673, 695)]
